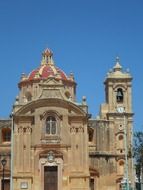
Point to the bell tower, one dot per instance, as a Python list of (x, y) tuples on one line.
[(118, 88), (117, 110)]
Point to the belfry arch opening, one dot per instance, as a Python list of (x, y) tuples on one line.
[(119, 95)]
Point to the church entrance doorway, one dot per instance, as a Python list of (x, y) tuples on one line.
[(50, 178)]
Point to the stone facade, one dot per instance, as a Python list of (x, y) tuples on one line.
[(56, 144)]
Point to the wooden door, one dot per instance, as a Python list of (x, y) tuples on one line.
[(50, 178)]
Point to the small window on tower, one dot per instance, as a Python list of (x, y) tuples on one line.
[(121, 137), (120, 95), (120, 167)]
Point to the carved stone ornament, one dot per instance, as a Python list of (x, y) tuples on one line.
[(50, 156)]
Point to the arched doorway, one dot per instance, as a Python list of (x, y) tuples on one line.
[(51, 168)]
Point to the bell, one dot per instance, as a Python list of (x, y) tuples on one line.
[(119, 94)]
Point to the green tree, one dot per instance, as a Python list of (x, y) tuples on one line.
[(138, 155)]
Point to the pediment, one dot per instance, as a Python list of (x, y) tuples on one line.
[(51, 81), (51, 93), (73, 109)]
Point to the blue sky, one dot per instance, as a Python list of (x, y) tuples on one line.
[(85, 36)]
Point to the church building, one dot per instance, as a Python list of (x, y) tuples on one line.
[(51, 142)]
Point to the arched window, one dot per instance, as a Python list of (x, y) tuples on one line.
[(120, 95), (121, 167), (121, 137), (121, 141), (6, 134), (51, 125)]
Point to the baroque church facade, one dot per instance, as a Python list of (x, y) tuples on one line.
[(51, 142)]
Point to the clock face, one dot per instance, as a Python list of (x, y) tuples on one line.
[(120, 109)]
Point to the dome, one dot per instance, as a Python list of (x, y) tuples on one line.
[(46, 70)]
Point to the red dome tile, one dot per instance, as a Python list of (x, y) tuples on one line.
[(46, 71)]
